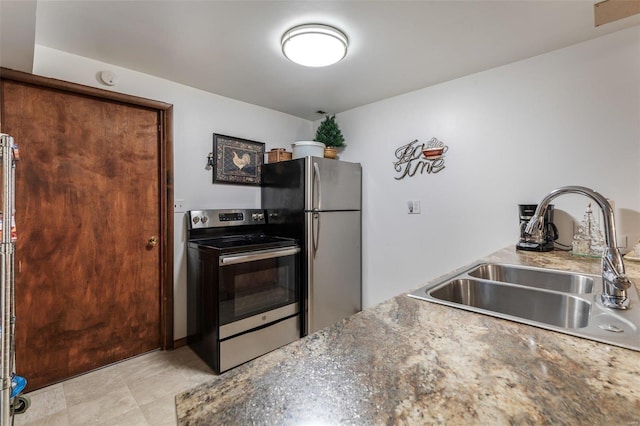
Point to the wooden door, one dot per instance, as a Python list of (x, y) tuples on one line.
[(88, 209)]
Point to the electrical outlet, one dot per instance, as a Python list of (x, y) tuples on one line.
[(179, 206), (413, 206)]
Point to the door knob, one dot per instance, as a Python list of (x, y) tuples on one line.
[(153, 241)]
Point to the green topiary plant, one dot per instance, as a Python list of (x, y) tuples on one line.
[(329, 133)]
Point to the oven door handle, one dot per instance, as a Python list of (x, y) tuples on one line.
[(257, 255)]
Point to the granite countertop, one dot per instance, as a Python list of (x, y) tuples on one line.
[(411, 362)]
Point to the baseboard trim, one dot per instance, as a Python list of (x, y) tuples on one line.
[(179, 343)]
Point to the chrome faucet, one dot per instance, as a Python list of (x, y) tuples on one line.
[(614, 281)]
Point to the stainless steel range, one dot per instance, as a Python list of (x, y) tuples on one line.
[(243, 287)]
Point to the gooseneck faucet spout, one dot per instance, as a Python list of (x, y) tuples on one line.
[(614, 281)]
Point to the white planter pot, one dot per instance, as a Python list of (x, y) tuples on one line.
[(303, 149)]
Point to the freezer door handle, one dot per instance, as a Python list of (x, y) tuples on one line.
[(317, 186)]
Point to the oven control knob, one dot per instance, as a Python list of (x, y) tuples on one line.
[(257, 216), (204, 219), (196, 219)]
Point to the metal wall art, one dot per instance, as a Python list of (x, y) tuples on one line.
[(419, 157), (237, 160)]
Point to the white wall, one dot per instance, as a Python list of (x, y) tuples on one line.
[(570, 117), (196, 116), (17, 34)]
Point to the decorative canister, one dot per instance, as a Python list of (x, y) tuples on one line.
[(303, 149)]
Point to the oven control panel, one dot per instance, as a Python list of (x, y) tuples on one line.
[(228, 217)]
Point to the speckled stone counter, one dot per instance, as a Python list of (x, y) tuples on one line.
[(412, 362)]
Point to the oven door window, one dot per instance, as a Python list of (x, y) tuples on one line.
[(256, 282)]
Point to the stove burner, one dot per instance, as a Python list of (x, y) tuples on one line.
[(245, 241)]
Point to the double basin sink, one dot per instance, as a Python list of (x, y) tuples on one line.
[(552, 299)]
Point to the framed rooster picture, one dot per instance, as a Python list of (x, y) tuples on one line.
[(237, 160)]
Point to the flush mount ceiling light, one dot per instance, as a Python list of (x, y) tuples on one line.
[(314, 45)]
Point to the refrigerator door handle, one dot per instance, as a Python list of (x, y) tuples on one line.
[(315, 232), (317, 186)]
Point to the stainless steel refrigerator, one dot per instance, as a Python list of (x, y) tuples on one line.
[(318, 201)]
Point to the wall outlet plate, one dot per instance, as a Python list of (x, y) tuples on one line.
[(413, 206), (179, 206)]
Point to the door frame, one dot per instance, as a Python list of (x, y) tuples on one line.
[(165, 115)]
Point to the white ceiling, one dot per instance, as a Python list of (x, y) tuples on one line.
[(232, 48)]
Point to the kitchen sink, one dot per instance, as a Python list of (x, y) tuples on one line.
[(556, 300), (566, 282), (557, 309)]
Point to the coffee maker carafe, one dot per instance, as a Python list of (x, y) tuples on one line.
[(526, 212)]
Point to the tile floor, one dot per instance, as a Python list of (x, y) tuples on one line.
[(140, 391)]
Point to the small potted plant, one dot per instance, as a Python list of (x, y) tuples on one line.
[(329, 134)]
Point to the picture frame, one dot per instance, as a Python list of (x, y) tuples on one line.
[(237, 160)]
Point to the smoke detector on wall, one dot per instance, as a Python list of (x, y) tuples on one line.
[(108, 77)]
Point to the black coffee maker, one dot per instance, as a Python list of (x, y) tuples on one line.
[(526, 212)]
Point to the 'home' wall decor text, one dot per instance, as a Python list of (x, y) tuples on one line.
[(417, 157)]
